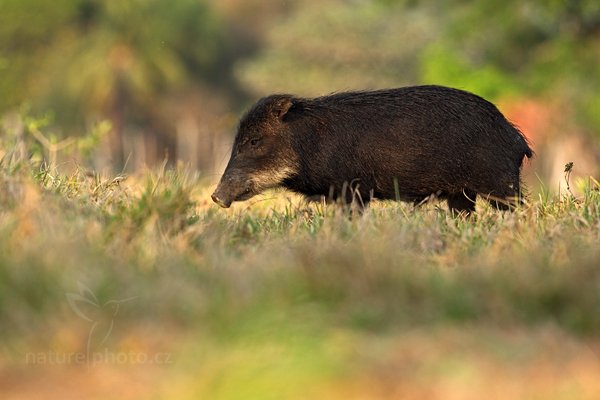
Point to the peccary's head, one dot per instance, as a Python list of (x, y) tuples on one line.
[(262, 155)]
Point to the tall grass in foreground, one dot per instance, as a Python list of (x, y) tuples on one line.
[(276, 274)]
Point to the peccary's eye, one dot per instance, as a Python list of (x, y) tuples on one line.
[(254, 142)]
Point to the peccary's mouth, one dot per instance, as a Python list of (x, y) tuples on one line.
[(245, 195)]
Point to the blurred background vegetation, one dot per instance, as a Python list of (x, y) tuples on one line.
[(171, 78), (274, 298)]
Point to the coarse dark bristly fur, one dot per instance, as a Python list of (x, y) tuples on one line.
[(405, 144)]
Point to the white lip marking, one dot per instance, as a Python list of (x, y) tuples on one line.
[(271, 178)]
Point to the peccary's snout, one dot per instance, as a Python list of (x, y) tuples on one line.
[(215, 197), (232, 187), (221, 196)]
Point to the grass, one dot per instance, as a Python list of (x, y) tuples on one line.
[(279, 299)]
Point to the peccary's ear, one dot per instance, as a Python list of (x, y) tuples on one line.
[(282, 106)]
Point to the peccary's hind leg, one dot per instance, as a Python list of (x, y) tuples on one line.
[(353, 200), (502, 204), (418, 202), (463, 202)]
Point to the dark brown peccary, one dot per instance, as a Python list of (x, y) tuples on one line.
[(404, 144)]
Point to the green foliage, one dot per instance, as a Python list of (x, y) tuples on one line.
[(24, 39), (514, 48), (31, 138), (336, 46), (442, 67), (165, 201), (85, 58)]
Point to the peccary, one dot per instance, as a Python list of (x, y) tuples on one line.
[(404, 144)]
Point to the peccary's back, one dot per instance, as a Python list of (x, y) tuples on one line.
[(426, 137), (423, 116)]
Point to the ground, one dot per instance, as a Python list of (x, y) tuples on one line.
[(140, 287)]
